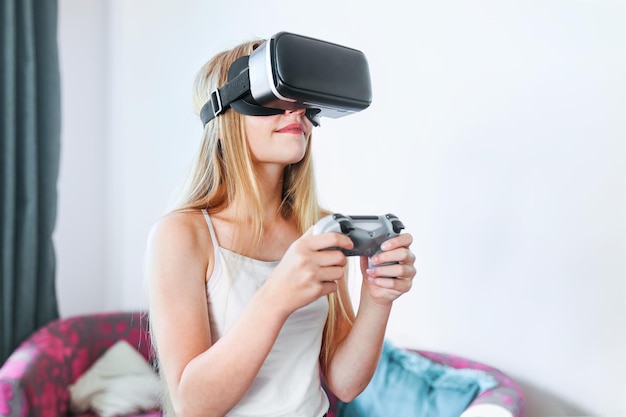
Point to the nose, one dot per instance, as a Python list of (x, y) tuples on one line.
[(300, 112)]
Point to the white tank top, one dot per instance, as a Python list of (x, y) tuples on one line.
[(288, 383)]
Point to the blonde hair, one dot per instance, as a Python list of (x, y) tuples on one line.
[(223, 176)]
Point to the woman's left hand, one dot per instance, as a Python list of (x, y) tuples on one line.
[(385, 283)]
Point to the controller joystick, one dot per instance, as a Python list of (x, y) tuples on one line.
[(366, 232)]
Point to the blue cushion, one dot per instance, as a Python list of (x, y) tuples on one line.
[(407, 384)]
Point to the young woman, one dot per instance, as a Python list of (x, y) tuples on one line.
[(246, 307)]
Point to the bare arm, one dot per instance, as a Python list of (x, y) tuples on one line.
[(199, 375), (204, 377), (355, 360)]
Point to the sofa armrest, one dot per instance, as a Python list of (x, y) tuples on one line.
[(506, 396), (35, 379)]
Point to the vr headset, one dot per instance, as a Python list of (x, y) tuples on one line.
[(290, 72)]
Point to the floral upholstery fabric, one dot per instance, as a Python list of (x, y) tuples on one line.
[(34, 380)]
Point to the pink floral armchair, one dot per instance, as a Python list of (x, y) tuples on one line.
[(35, 379)]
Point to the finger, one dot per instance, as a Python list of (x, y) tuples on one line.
[(402, 240), (399, 255), (328, 287), (331, 258), (400, 285), (398, 271), (332, 273), (386, 271), (330, 240)]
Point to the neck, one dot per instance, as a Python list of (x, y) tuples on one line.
[(270, 180)]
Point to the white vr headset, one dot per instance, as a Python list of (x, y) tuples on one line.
[(289, 72)]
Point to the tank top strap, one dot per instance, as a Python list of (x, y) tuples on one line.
[(211, 230)]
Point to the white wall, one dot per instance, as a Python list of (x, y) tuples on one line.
[(80, 236), (497, 134)]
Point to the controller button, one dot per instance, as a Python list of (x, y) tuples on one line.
[(397, 226), (346, 227)]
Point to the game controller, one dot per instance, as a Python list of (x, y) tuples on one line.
[(366, 232)]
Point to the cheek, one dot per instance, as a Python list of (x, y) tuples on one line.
[(252, 131), (256, 127), (256, 130)]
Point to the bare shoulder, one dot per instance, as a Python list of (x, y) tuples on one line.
[(177, 258), (180, 237), (187, 228)]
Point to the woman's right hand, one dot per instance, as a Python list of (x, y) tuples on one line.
[(307, 271)]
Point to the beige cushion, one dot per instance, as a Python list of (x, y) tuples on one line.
[(120, 382)]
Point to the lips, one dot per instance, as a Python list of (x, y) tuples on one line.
[(296, 128)]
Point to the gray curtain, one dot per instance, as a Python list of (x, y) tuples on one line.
[(29, 161)]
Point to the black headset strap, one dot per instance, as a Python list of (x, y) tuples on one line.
[(221, 98)]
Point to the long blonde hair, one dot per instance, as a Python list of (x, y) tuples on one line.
[(223, 176)]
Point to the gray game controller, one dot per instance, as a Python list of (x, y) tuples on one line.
[(366, 232)]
